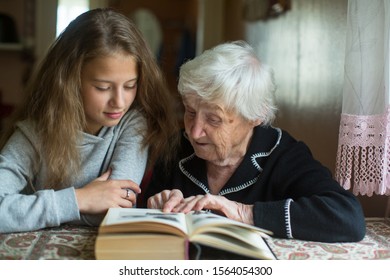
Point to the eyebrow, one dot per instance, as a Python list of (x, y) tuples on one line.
[(107, 81), (210, 106)]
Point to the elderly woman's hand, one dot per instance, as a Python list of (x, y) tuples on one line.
[(219, 204), (166, 200)]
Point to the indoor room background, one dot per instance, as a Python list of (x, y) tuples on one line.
[(303, 40)]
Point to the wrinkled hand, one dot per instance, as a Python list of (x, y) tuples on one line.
[(219, 204), (166, 200), (103, 193)]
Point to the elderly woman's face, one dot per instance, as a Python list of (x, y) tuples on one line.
[(216, 134)]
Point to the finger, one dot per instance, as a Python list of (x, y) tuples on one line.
[(176, 195), (128, 184), (169, 199), (130, 195), (126, 204), (183, 207), (164, 195), (171, 203), (104, 176), (186, 204), (154, 202), (209, 202)]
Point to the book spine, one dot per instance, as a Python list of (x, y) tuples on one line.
[(186, 249)]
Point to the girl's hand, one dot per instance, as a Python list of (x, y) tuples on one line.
[(103, 193), (166, 200)]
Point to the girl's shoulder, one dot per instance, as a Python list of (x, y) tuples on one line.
[(133, 118), (24, 137), (132, 115), (27, 128)]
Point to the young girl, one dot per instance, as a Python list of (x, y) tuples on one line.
[(96, 110)]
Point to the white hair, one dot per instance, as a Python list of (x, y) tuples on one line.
[(231, 73)]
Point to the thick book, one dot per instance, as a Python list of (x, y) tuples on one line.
[(142, 234)]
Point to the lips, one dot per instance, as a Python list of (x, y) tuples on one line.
[(200, 144), (114, 115)]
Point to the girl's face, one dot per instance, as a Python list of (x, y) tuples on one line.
[(108, 88)]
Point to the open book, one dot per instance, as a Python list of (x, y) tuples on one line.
[(133, 233)]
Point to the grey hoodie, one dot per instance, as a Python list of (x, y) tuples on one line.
[(25, 203)]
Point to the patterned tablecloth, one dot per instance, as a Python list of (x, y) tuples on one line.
[(375, 245), (70, 242)]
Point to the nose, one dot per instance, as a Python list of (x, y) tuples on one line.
[(196, 126), (117, 99)]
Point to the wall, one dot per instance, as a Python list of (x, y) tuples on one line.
[(306, 46), (36, 24), (175, 17), (219, 21), (13, 63)]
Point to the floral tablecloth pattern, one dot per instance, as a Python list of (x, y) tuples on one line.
[(77, 243), (65, 242), (375, 245)]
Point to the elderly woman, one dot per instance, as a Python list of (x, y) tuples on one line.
[(233, 162)]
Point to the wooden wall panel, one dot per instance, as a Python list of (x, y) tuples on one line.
[(175, 17), (306, 47)]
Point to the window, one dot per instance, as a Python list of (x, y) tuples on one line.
[(68, 10)]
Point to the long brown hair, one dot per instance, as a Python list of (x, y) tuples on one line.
[(53, 102)]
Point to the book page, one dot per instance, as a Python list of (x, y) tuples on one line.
[(223, 233), (204, 221), (144, 219)]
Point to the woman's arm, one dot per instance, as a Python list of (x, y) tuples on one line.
[(308, 203)]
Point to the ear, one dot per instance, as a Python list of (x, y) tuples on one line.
[(256, 122)]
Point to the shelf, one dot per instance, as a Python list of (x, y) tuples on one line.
[(11, 47)]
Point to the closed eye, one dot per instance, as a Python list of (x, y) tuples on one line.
[(133, 86), (190, 113), (214, 121), (102, 88)]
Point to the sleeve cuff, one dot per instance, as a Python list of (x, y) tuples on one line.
[(67, 207), (287, 217)]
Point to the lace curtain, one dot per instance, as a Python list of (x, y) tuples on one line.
[(363, 155)]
